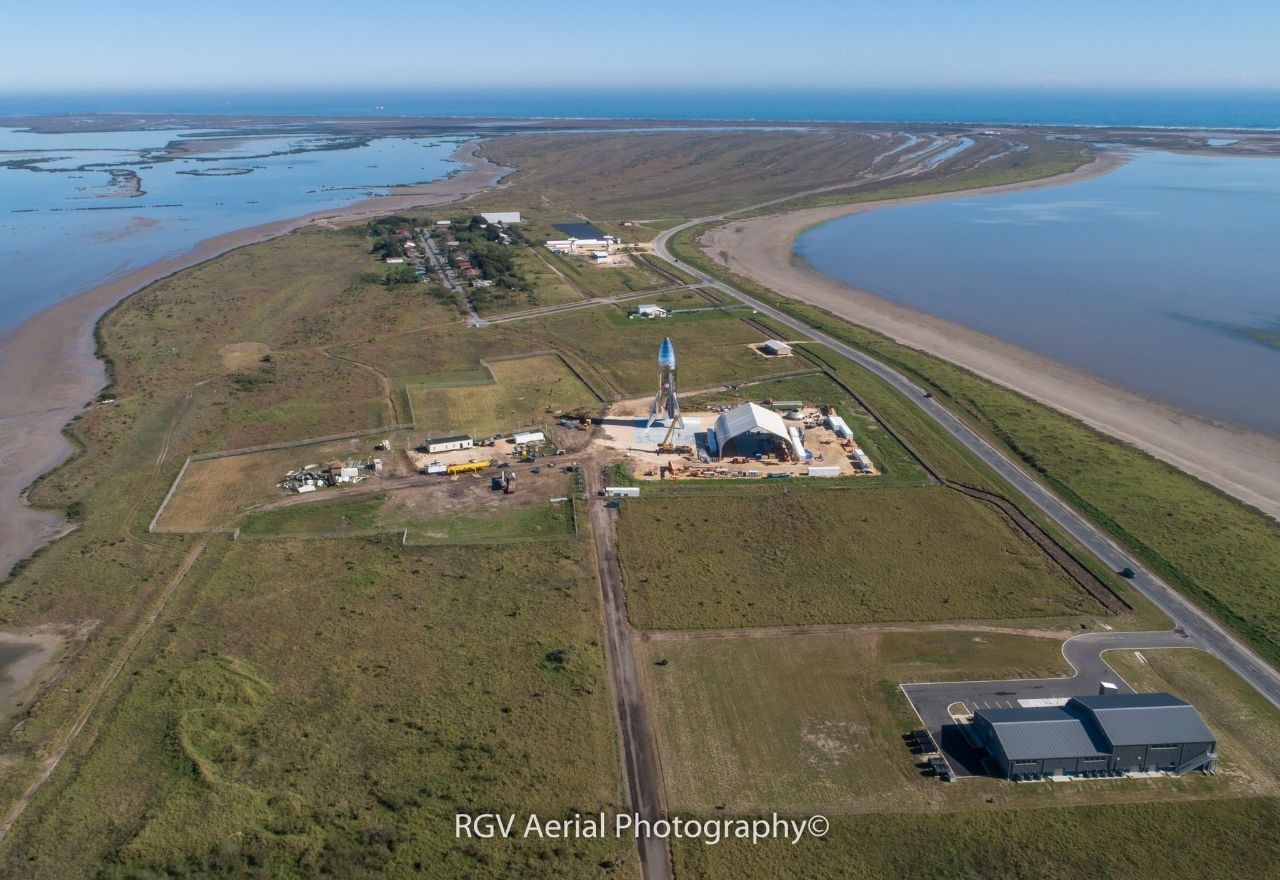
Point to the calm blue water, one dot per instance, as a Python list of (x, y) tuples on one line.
[(64, 228), (1193, 108), (1152, 276)]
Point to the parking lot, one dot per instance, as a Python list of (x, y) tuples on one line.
[(934, 701)]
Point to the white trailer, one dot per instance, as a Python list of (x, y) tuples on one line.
[(622, 491), (824, 471)]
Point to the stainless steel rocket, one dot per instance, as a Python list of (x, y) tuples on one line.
[(665, 404)]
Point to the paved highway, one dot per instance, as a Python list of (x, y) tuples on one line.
[(1195, 621)]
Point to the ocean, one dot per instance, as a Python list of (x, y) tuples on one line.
[(1221, 108), (1162, 276)]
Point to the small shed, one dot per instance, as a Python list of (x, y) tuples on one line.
[(528, 437), (775, 348)]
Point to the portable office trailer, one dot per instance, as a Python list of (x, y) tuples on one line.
[(450, 444)]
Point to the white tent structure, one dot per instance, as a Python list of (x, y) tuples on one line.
[(748, 429)]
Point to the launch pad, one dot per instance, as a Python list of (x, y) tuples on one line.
[(687, 433)]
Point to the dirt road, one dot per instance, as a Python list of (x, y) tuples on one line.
[(639, 750)]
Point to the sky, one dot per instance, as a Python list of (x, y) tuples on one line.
[(76, 45)]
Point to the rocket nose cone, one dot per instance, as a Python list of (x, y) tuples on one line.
[(667, 354)]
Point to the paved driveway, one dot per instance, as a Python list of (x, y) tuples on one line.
[(1084, 652)]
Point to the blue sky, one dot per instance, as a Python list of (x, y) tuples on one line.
[(285, 44)]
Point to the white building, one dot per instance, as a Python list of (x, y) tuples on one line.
[(507, 217), (651, 311), (449, 444), (775, 347), (528, 437), (622, 491), (748, 430), (580, 237)]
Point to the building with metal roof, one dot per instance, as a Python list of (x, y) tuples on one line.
[(581, 231), (748, 430), (1096, 735)]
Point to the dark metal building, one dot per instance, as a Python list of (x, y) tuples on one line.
[(1096, 736)]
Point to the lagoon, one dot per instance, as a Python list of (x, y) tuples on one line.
[(1162, 276), (70, 218)]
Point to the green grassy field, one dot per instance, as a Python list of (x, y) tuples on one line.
[(816, 556), (1218, 551), (1247, 726), (545, 522), (320, 517), (814, 723), (322, 708), (549, 287), (523, 393), (811, 722), (1233, 839), (709, 353)]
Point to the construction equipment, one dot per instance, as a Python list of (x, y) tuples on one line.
[(467, 467)]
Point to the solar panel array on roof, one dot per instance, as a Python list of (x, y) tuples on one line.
[(579, 230), (1041, 733), (1143, 719)]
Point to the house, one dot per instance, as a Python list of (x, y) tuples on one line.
[(651, 311)]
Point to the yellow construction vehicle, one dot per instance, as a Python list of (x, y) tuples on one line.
[(467, 467)]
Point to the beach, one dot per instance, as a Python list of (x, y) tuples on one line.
[(1241, 463), (49, 369)]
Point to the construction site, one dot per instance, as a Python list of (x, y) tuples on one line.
[(769, 439)]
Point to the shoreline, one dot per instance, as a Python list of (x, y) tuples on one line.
[(1242, 463), (50, 370)]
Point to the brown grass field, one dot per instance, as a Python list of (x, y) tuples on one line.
[(524, 392), (213, 492)]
